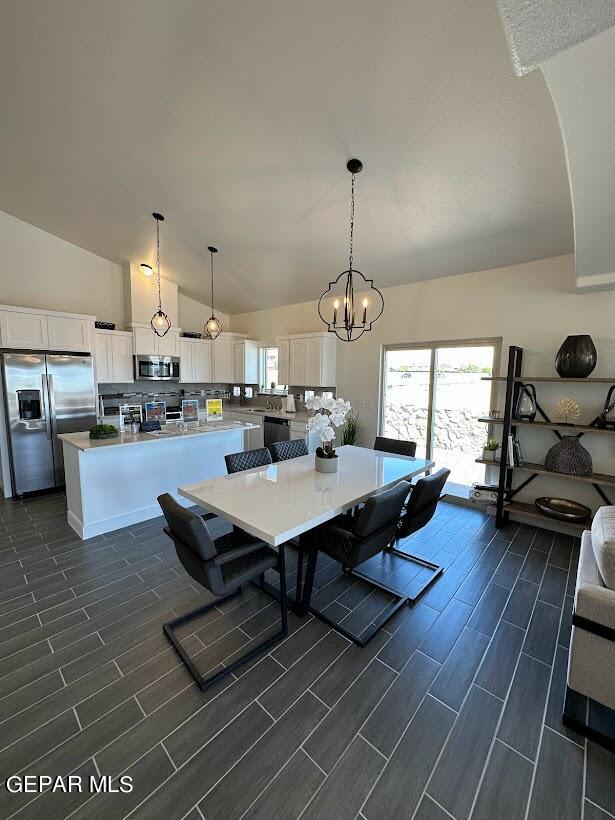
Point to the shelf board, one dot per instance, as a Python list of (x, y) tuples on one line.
[(531, 511), (527, 379), (597, 478), (548, 425)]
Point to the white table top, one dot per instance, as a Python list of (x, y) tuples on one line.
[(281, 501)]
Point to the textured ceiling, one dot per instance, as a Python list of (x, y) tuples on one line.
[(235, 120)]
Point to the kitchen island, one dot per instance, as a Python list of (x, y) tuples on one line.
[(114, 482)]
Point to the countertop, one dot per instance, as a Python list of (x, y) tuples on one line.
[(82, 441)]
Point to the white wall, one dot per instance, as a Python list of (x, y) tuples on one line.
[(39, 270), (533, 305), (193, 314)]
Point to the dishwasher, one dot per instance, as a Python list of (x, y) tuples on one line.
[(275, 429)]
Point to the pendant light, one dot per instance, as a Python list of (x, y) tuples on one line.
[(161, 324), (213, 326), (351, 303)]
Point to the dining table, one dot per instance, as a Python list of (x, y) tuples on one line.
[(278, 502)]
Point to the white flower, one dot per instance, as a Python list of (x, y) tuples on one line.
[(327, 434), (337, 418), (315, 403), (318, 422), (329, 404)]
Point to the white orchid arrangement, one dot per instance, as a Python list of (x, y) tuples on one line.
[(329, 413)]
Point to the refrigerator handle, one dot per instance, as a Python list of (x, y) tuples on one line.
[(45, 393), (52, 401)]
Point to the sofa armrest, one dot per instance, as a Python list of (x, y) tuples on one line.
[(596, 603)]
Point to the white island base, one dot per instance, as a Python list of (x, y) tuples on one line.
[(112, 483)]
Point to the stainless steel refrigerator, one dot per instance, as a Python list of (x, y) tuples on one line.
[(44, 394)]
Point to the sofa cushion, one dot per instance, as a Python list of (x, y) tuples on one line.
[(603, 543)]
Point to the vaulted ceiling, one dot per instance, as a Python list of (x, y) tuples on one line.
[(235, 119)]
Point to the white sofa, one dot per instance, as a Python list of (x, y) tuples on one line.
[(591, 664)]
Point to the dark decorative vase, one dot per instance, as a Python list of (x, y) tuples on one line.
[(570, 457), (576, 358)]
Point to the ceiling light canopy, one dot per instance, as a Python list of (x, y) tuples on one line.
[(161, 324), (351, 303), (213, 326)]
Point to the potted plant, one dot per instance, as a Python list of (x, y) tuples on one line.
[(330, 413), (352, 429), (103, 431), (489, 449)]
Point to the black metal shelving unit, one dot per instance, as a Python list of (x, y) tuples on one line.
[(506, 493)]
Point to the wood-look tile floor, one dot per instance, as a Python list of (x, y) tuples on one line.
[(454, 711)]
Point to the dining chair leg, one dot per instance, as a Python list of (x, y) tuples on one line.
[(308, 583)]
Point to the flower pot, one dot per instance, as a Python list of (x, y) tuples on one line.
[(570, 457), (576, 358), (326, 465), (488, 455)]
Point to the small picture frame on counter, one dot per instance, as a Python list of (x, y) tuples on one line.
[(190, 410), (156, 411), (214, 409), (130, 413)]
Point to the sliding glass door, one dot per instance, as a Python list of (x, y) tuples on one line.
[(433, 394)]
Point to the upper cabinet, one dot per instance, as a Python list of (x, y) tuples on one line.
[(196, 361), (245, 362), (284, 361), (311, 360), (30, 329), (148, 343), (224, 357), (114, 357)]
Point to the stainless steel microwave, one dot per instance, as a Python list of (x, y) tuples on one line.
[(157, 368)]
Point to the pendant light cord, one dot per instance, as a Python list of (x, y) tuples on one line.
[(158, 264), (351, 223), (212, 283)]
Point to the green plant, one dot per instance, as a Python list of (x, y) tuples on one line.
[(103, 431), (352, 429), (492, 444)]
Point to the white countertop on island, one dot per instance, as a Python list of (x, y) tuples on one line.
[(82, 441)]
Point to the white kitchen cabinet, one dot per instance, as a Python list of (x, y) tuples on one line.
[(67, 333), (311, 360), (298, 370), (28, 328), (245, 362), (24, 330), (253, 439), (223, 357), (284, 361), (114, 357), (148, 343), (196, 364)]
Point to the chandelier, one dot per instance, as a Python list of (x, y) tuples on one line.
[(161, 324), (351, 304)]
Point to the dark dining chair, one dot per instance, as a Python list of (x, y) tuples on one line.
[(418, 510), (397, 446), (352, 541), (238, 462), (223, 566), (284, 450)]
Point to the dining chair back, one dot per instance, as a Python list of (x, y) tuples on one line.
[(400, 447), (423, 502), (238, 462), (283, 450)]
